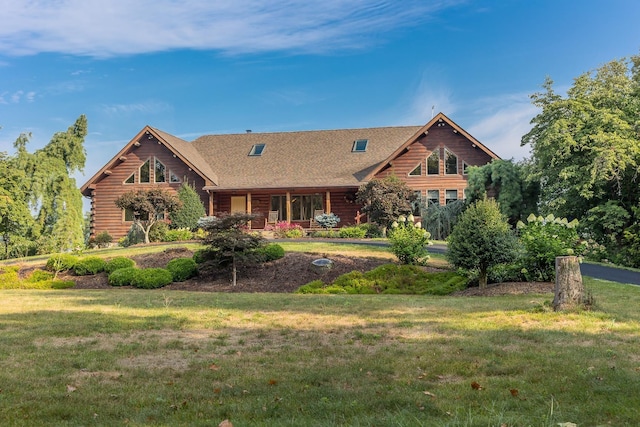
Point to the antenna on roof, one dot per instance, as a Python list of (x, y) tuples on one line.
[(433, 109), (248, 130)]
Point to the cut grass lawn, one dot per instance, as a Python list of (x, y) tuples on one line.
[(141, 357)]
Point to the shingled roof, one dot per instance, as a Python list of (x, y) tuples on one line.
[(299, 159)]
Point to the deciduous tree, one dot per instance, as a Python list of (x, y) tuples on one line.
[(384, 200), (147, 206), (230, 240)]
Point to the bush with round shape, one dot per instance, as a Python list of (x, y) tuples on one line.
[(118, 262), (353, 232), (151, 278), (89, 266), (178, 235), (270, 252), (39, 276), (122, 276), (182, 269), (61, 262)]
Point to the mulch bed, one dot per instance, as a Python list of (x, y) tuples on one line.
[(282, 276)]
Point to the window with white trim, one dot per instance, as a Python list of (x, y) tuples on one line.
[(450, 196), (450, 163), (160, 171), (433, 163), (417, 171), (145, 172), (433, 196)]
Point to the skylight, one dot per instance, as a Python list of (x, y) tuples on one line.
[(360, 145), (257, 150)]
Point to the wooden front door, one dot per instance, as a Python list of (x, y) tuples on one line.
[(238, 204)]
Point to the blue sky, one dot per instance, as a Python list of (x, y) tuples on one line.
[(194, 67)]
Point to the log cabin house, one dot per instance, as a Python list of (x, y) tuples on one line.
[(287, 176)]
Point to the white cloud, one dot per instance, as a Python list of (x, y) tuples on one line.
[(17, 97), (501, 123), (103, 29), (148, 107)]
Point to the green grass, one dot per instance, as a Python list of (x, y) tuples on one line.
[(157, 357)]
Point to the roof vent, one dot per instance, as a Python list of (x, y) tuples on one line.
[(248, 130)]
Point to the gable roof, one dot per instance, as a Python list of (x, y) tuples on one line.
[(305, 159), (440, 117), (299, 159), (181, 148)]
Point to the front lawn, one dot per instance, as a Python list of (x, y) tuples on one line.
[(158, 357)]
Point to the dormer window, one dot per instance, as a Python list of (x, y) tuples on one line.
[(360, 145), (257, 150)]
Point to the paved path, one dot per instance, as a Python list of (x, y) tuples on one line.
[(596, 271)]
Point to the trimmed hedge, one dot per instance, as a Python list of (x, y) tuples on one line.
[(270, 252), (117, 263), (88, 266), (61, 262), (122, 276), (353, 232), (151, 278), (182, 269)]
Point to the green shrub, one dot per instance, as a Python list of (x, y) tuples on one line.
[(543, 240), (270, 252), (409, 241), (102, 240), (61, 262), (178, 235), (118, 262), (353, 232), (9, 278), (182, 269), (203, 255), (38, 275), (151, 278), (88, 266), (158, 232), (390, 279), (122, 276), (372, 230)]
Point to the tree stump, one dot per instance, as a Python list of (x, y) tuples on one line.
[(569, 290)]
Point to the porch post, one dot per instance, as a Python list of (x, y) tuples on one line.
[(249, 207), (211, 212), (328, 208), (288, 207)]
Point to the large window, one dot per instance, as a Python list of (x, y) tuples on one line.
[(160, 172), (433, 164), (451, 196), (433, 196), (417, 203), (450, 163), (279, 203), (145, 174), (303, 206)]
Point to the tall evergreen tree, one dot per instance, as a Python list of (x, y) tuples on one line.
[(191, 211)]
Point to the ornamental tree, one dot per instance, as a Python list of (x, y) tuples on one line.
[(230, 240), (147, 206), (481, 239), (384, 200)]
